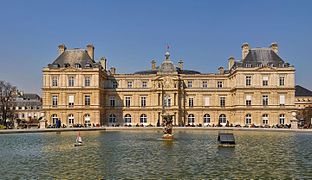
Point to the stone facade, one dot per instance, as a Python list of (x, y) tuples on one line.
[(259, 89)]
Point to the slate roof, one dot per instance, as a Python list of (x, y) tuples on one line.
[(71, 57), (301, 91)]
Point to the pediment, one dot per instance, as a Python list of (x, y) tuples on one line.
[(266, 68), (69, 69)]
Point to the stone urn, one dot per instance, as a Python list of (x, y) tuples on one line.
[(294, 121)]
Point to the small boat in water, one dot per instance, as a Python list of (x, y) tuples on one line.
[(226, 140), (78, 140), (167, 136)]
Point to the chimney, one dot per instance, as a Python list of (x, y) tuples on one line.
[(221, 70), (90, 50), (61, 48), (153, 64), (274, 47), (113, 70), (103, 62), (231, 62), (180, 64), (245, 50)]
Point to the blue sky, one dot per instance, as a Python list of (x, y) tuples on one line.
[(131, 33)]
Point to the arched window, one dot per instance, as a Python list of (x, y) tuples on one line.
[(87, 120), (265, 119), (191, 119), (112, 118), (248, 119), (206, 118), (222, 118), (54, 118), (127, 118), (71, 119), (282, 118), (143, 119)]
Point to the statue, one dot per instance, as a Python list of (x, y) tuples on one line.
[(167, 123)]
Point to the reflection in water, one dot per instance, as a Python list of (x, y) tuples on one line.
[(133, 155)]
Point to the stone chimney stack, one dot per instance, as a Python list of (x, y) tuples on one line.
[(61, 48), (113, 70), (180, 64), (103, 62), (245, 50), (153, 64), (231, 62), (90, 50), (221, 70), (274, 47)]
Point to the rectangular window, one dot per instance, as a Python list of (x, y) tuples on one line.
[(265, 100), (114, 84), (281, 80), (129, 84), (220, 84), (248, 100), (54, 81), (248, 80), (205, 84), (127, 101), (112, 101), (87, 81), (87, 100), (71, 81), (265, 81), (189, 84), (144, 84), (71, 100), (54, 101), (143, 101), (206, 101), (191, 102), (282, 100), (222, 101)]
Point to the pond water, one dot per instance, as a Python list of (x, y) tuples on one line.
[(134, 154)]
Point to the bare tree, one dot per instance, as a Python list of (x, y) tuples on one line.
[(7, 95), (305, 115)]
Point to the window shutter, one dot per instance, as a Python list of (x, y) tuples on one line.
[(71, 98)]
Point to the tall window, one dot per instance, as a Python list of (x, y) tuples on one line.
[(87, 100), (282, 100), (87, 119), (248, 119), (143, 101), (222, 118), (112, 101), (54, 118), (248, 80), (191, 119), (191, 102), (167, 101), (222, 101), (265, 81), (87, 81), (281, 80), (54, 101), (189, 84), (128, 101), (206, 101), (144, 84), (265, 100), (265, 119), (282, 118), (143, 119), (220, 84), (112, 118), (248, 100), (206, 118), (115, 84), (54, 81), (71, 81), (71, 100), (129, 84), (205, 84), (127, 118), (71, 119)]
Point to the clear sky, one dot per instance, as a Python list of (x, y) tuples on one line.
[(131, 33)]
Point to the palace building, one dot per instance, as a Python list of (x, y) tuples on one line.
[(259, 89)]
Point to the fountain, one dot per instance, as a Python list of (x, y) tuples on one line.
[(167, 123)]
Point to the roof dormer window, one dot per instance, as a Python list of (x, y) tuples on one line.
[(66, 65), (88, 65), (77, 65)]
